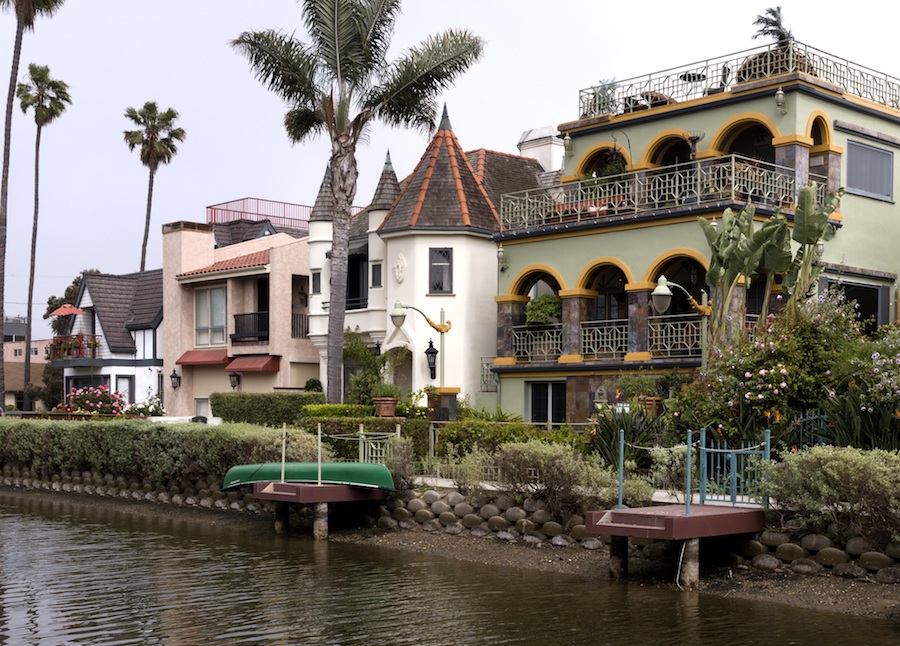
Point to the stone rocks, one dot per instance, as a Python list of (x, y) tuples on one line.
[(831, 556), (815, 542), (765, 562), (888, 575), (773, 539), (874, 561), (750, 549), (849, 571), (806, 566), (858, 545), (789, 552)]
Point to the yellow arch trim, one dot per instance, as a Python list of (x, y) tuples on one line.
[(661, 138), (522, 278), (603, 145), (720, 140), (599, 262), (827, 133), (656, 267)]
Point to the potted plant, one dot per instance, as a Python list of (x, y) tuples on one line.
[(385, 397), (543, 309)]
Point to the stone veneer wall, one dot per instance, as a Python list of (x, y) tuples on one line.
[(499, 516)]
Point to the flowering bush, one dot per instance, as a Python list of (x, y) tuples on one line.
[(151, 406), (766, 380), (97, 400)]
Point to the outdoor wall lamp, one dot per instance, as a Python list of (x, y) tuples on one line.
[(431, 354), (662, 298), (780, 103), (176, 380), (695, 136), (398, 318), (567, 145), (502, 260), (235, 380)]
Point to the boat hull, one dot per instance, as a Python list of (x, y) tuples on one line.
[(358, 474)]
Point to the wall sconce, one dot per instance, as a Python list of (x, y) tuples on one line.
[(780, 103), (502, 260), (567, 145), (303, 298), (235, 380), (176, 380), (431, 354)]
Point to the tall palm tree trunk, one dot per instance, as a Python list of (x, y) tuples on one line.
[(147, 220), (34, 232), (343, 184), (4, 189)]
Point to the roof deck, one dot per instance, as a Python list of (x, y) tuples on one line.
[(723, 74)]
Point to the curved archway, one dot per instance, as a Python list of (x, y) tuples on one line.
[(687, 268), (531, 275), (669, 148), (602, 160), (606, 281), (749, 135)]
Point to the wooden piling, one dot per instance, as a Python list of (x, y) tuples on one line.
[(618, 557)]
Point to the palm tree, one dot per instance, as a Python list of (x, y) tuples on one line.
[(48, 97), (156, 137), (339, 84), (771, 24), (25, 10)]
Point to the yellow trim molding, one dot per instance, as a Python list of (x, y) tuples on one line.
[(637, 356), (447, 390), (577, 293), (511, 298), (504, 361), (793, 139), (570, 358), (599, 262)]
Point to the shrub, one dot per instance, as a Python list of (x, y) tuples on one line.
[(384, 389), (144, 449), (336, 410), (461, 436), (543, 308), (96, 400), (568, 482), (265, 409), (312, 386), (843, 488), (401, 461)]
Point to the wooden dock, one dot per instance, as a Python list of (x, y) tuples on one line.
[(671, 522)]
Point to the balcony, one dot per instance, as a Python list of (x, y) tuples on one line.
[(718, 182), (76, 346), (299, 326), (252, 327), (604, 340), (722, 74)]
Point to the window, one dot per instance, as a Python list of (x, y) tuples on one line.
[(17, 352), (870, 171), (548, 402), (317, 282), (46, 350), (34, 352), (210, 316), (201, 407), (440, 274), (376, 274), (124, 385)]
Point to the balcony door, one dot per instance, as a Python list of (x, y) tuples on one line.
[(548, 402)]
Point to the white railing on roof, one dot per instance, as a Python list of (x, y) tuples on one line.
[(716, 75)]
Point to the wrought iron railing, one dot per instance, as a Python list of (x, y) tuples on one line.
[(251, 326), (75, 346), (721, 74), (299, 326), (604, 339), (733, 474), (678, 335), (729, 179), (537, 343), (488, 377)]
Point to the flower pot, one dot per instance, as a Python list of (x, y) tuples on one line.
[(385, 406)]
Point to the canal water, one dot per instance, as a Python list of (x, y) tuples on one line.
[(72, 572)]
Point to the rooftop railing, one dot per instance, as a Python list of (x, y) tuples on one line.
[(716, 75), (729, 179)]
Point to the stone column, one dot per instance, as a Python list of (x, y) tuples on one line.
[(793, 152), (575, 304), (320, 521), (690, 564), (510, 312), (638, 321)]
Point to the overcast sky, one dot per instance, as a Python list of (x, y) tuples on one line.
[(120, 53)]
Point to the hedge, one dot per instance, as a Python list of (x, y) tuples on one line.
[(144, 449), (264, 409)]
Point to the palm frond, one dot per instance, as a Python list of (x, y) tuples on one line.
[(334, 26), (281, 63), (771, 23), (377, 19), (408, 94), (47, 96), (301, 122)]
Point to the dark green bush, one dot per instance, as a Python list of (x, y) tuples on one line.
[(144, 449), (265, 409)]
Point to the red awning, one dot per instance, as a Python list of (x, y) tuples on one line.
[(264, 363), (203, 357)]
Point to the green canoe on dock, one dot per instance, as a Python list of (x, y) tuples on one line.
[(358, 474)]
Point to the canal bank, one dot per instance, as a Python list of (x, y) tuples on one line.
[(784, 587)]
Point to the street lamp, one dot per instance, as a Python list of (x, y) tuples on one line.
[(398, 317), (431, 354), (662, 298)]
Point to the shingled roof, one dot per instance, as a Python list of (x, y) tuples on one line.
[(123, 303), (450, 189)]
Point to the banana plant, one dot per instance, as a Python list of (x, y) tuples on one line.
[(811, 226)]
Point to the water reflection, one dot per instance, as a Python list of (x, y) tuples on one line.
[(72, 572)]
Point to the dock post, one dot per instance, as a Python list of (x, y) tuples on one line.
[(320, 521), (690, 563), (618, 557), (281, 517)]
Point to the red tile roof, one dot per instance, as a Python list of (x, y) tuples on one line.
[(257, 259)]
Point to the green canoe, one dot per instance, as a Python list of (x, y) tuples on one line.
[(359, 474)]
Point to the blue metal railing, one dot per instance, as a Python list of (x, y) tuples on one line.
[(732, 474)]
